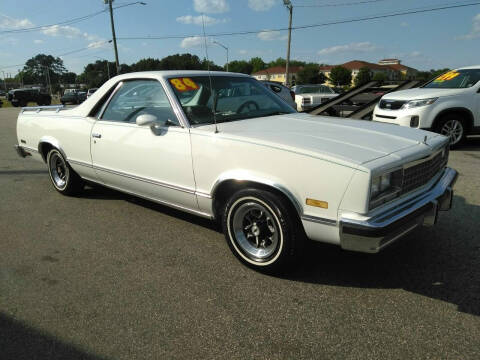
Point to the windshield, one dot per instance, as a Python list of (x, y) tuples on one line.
[(456, 79), (233, 98), (313, 90)]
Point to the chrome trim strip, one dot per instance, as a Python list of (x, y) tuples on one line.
[(43, 107), (81, 163), (422, 160), (202, 194), (146, 180), (319, 220), (52, 141)]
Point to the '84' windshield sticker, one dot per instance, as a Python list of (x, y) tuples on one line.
[(184, 84)]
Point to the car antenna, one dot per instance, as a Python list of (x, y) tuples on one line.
[(209, 75)]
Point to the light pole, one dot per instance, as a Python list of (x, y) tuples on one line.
[(289, 6), (226, 48), (113, 30), (4, 82)]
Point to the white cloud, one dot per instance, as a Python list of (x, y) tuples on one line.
[(271, 35), (38, 41), (414, 54), (193, 41), (261, 5), (211, 6), (197, 20), (6, 22), (475, 32), (242, 52), (60, 30), (353, 47), (404, 24), (97, 44)]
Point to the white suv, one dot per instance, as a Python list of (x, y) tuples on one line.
[(449, 104)]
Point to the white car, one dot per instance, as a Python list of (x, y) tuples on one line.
[(271, 176), (449, 105), (310, 96)]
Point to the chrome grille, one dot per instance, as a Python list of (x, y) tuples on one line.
[(418, 175), (391, 104)]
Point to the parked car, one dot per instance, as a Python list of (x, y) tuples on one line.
[(281, 90), (310, 96), (21, 97), (3, 93), (91, 91), (269, 175), (449, 105), (73, 96)]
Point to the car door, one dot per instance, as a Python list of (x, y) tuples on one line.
[(150, 161)]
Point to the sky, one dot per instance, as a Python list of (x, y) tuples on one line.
[(448, 38)]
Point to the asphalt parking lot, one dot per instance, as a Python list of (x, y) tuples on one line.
[(109, 276)]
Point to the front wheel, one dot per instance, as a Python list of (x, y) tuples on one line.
[(262, 230), (452, 126), (64, 179)]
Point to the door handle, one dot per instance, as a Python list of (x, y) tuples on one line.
[(95, 135)]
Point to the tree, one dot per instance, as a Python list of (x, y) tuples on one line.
[(68, 78), (380, 77), (95, 74), (240, 66), (282, 62), (40, 67), (257, 64), (148, 64), (363, 76), (310, 74), (340, 76)]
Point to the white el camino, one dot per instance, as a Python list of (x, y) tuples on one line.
[(222, 146)]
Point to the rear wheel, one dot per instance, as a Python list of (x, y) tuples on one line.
[(262, 230), (452, 126), (64, 179)]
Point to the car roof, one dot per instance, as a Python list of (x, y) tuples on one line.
[(469, 67), (172, 73)]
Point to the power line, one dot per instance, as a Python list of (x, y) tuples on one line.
[(66, 22), (341, 4), (301, 27)]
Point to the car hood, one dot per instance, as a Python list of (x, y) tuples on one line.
[(422, 93), (352, 142)]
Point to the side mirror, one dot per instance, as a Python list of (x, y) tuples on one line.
[(146, 120)]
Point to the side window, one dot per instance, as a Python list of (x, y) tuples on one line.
[(276, 88), (138, 97)]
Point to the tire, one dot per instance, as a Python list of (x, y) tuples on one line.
[(263, 230), (452, 125), (64, 179)]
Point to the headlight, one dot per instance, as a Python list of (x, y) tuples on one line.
[(385, 187), (418, 103)]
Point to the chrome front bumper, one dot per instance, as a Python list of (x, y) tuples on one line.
[(374, 234)]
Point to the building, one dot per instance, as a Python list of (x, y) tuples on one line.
[(277, 73), (392, 68), (403, 72)]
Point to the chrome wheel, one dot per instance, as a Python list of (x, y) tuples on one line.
[(256, 230), (454, 130), (59, 171)]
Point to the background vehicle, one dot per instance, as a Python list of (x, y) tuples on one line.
[(91, 91), (73, 96), (21, 97), (224, 147), (449, 105), (309, 96), (281, 90)]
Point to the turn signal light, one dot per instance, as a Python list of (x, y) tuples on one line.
[(317, 203)]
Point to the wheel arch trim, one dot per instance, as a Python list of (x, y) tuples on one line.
[(464, 110), (50, 141), (242, 176)]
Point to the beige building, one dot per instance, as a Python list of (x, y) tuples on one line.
[(392, 68), (277, 74)]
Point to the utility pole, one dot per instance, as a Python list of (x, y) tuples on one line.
[(114, 36), (223, 46), (4, 82), (289, 6)]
